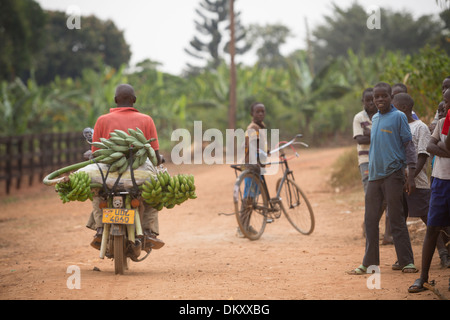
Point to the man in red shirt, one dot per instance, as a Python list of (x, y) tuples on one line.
[(123, 117)]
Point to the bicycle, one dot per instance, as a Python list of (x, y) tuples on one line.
[(253, 206)]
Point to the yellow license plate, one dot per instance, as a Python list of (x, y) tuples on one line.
[(118, 216)]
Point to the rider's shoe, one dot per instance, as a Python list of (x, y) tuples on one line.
[(152, 240), (97, 241)]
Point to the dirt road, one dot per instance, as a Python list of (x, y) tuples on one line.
[(40, 238)]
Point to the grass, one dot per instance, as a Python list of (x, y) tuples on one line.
[(345, 171)]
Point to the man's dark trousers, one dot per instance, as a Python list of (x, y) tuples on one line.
[(391, 190)]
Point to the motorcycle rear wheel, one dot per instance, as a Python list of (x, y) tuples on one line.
[(119, 255)]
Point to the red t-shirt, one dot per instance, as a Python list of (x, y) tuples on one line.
[(446, 126), (125, 118)]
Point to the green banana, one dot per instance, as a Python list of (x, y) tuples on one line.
[(119, 141), (136, 143), (140, 136), (141, 152), (121, 133), (160, 191), (76, 189), (136, 163), (123, 168), (152, 156), (117, 155), (103, 152), (99, 145), (142, 160), (121, 161)]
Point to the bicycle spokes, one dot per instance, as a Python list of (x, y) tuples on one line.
[(251, 205), (297, 208)]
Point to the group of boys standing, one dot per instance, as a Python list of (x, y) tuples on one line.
[(390, 137)]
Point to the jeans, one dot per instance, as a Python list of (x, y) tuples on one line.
[(389, 189)]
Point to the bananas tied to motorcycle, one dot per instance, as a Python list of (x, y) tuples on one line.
[(117, 150), (166, 191), (158, 189)]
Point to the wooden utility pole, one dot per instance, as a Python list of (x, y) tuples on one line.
[(233, 100), (309, 48)]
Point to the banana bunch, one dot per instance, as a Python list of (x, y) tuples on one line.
[(166, 191), (116, 151), (78, 188)]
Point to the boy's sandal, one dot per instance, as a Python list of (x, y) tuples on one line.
[(396, 266), (358, 271), (410, 268), (417, 286)]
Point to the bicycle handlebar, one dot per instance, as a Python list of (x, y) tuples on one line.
[(289, 143)]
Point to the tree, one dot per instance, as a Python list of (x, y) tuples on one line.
[(268, 39), (67, 52), (21, 26), (423, 73), (210, 44), (443, 39), (347, 29)]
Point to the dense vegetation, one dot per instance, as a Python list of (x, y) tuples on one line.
[(317, 97)]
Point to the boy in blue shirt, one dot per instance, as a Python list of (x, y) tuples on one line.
[(391, 150)]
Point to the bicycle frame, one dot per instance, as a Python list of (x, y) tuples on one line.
[(285, 167)]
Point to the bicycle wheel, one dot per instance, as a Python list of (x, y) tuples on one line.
[(296, 207), (250, 205)]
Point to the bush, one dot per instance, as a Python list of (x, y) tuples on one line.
[(345, 171)]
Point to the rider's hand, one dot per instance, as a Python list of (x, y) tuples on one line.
[(88, 155)]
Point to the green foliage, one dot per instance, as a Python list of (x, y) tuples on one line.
[(37, 44), (268, 40), (21, 30), (64, 95), (319, 106), (347, 29), (68, 52), (423, 74)]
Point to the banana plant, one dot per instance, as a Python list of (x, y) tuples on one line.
[(303, 91)]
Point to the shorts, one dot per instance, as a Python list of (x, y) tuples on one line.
[(439, 212), (417, 204), (251, 189)]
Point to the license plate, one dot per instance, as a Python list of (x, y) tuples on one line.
[(118, 216)]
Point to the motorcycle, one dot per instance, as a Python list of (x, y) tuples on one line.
[(122, 237)]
